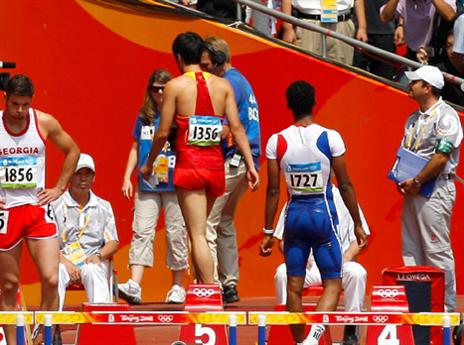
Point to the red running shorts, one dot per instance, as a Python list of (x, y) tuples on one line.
[(213, 181), (25, 221)]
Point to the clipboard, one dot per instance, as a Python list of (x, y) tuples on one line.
[(408, 164)]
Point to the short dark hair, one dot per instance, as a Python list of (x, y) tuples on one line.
[(19, 85), (189, 45), (300, 98)]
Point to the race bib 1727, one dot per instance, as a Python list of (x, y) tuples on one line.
[(306, 178), (18, 172), (204, 130)]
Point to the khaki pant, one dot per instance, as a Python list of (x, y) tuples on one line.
[(147, 210), (426, 234), (220, 230), (336, 49)]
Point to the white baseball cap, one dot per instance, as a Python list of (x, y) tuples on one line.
[(85, 161), (429, 74)]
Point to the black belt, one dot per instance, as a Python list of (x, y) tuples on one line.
[(340, 18)]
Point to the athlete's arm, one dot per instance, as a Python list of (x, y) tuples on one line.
[(52, 130), (240, 136), (127, 188), (349, 197), (162, 133), (272, 202)]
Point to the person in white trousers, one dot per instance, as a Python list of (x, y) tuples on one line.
[(88, 236), (354, 274)]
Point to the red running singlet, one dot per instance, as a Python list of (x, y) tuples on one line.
[(200, 161)]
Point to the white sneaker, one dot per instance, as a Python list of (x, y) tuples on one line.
[(131, 292), (176, 295)]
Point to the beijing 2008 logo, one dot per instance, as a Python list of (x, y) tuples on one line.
[(380, 318), (165, 318), (388, 293), (203, 292)]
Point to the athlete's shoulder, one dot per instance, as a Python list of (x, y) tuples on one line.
[(44, 119)]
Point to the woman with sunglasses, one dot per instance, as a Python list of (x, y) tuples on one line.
[(151, 196)]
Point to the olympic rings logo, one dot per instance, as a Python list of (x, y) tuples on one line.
[(380, 318), (165, 318), (388, 293), (203, 292)]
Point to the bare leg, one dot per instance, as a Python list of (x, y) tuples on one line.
[(330, 295), (327, 302), (9, 283), (295, 304), (46, 255), (137, 273), (195, 206)]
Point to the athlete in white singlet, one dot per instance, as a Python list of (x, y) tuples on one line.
[(24, 200), (306, 152)]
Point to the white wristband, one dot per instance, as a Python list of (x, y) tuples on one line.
[(268, 231)]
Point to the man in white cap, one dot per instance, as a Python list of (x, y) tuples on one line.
[(433, 135), (88, 236)]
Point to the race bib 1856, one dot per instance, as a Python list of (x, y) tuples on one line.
[(305, 178), (204, 130), (18, 172)]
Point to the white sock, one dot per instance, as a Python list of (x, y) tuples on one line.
[(314, 335)]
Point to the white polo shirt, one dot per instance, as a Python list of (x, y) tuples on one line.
[(91, 226)]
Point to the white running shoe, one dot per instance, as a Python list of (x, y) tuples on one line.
[(131, 292), (176, 295)]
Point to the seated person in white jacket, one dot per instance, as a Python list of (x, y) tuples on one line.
[(88, 235), (354, 274)]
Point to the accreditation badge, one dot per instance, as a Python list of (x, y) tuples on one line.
[(329, 12), (74, 252)]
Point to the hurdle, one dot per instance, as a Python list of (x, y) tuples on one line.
[(232, 319), (262, 319)]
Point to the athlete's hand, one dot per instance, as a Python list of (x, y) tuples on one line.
[(73, 271), (127, 189), (265, 249), (146, 171), (2, 204), (46, 196), (253, 178), (360, 236)]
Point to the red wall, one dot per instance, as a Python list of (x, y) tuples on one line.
[(90, 62)]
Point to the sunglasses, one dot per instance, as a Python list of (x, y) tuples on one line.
[(157, 89)]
